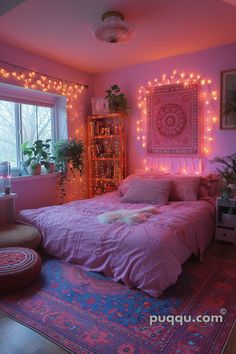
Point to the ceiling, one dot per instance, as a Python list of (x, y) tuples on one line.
[(61, 29)]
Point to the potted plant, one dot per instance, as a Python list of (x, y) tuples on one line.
[(50, 164), (69, 156), (37, 155), (227, 173), (117, 100), (49, 161)]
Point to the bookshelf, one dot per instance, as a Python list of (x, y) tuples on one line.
[(106, 152)]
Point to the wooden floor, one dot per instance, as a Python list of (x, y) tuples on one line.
[(18, 339)]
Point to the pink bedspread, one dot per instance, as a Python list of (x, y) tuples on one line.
[(147, 256)]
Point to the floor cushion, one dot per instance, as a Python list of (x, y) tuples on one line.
[(18, 235), (19, 267)]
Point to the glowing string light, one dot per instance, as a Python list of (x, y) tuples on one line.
[(37, 81), (208, 98)]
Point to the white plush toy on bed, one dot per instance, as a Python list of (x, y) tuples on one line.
[(127, 216)]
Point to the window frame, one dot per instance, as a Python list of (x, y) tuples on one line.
[(19, 95)]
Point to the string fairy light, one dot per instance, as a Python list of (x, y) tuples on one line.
[(31, 79), (208, 98), (40, 76), (35, 80)]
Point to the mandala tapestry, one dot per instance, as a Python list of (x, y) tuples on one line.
[(174, 120)]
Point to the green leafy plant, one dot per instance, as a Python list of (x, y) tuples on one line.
[(69, 156), (227, 172), (117, 100), (48, 157), (37, 154)]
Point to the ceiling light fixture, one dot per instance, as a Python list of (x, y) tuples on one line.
[(113, 28)]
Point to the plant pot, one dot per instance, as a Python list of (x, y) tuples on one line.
[(226, 193), (228, 220), (114, 107), (51, 167), (35, 169), (232, 186)]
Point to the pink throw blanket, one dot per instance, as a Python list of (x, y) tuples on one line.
[(147, 255)]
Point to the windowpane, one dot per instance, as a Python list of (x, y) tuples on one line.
[(36, 123), (8, 133), (20, 123), (29, 123), (44, 123)]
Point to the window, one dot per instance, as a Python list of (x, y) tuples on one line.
[(21, 122)]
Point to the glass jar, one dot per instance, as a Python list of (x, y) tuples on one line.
[(5, 177)]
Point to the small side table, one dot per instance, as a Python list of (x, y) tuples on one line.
[(225, 222), (7, 208)]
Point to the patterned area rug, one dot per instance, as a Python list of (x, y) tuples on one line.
[(85, 312)]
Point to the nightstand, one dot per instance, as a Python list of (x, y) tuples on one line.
[(225, 220), (7, 208)]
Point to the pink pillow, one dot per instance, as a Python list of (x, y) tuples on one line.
[(184, 188), (209, 186), (124, 185), (215, 184), (203, 191), (152, 191)]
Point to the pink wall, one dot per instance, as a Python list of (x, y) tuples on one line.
[(31, 193), (208, 63), (36, 192), (49, 67)]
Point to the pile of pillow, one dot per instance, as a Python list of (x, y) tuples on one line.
[(158, 188)]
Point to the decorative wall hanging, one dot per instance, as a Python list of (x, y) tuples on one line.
[(228, 100), (174, 120)]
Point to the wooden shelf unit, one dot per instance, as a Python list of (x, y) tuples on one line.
[(106, 152)]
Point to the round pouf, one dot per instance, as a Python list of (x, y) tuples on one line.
[(19, 235), (18, 268)]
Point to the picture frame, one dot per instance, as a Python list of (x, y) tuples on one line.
[(228, 100), (99, 106)]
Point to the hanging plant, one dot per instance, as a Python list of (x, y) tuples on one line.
[(69, 157)]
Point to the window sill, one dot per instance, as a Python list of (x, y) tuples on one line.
[(7, 196), (28, 178)]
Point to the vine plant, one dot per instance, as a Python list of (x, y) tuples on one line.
[(69, 157)]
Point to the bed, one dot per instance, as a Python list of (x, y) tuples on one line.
[(145, 255)]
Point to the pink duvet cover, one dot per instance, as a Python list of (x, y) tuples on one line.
[(147, 256)]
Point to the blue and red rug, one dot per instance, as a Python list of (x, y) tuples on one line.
[(85, 312)]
